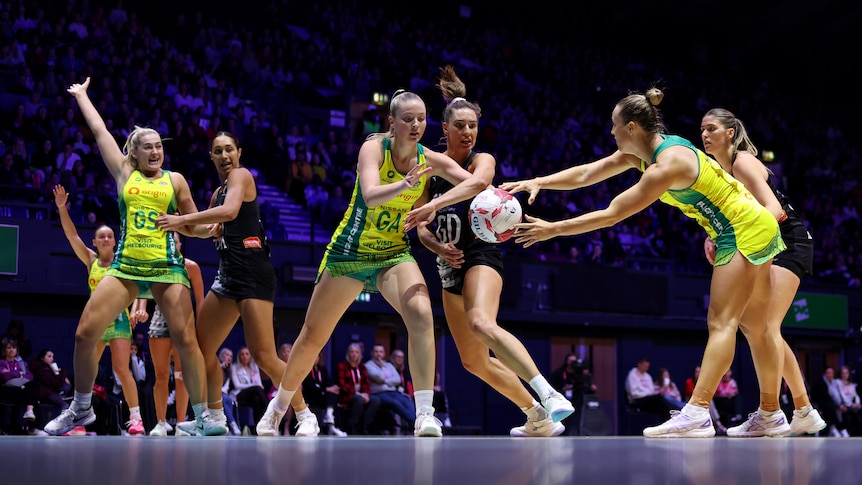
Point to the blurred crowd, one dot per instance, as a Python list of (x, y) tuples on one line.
[(273, 79)]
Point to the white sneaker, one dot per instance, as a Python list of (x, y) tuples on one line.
[(159, 429), (808, 422), (758, 425), (333, 431), (557, 406), (37, 432), (168, 427), (269, 423), (427, 424), (306, 426), (833, 432), (845, 433), (29, 415), (70, 418), (545, 427), (234, 429), (202, 426), (681, 426)]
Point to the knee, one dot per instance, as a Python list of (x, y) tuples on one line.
[(482, 326)]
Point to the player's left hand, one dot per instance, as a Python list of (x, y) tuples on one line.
[(533, 231), (419, 216)]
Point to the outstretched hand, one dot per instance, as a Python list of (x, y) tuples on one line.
[(170, 222), (415, 174), (77, 89), (420, 216), (533, 231), (531, 186), (60, 196)]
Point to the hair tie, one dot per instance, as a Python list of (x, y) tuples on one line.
[(459, 98)]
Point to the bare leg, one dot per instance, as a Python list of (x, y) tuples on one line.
[(181, 399), (215, 321), (259, 334), (109, 299), (121, 355), (329, 301), (176, 305), (403, 286), (476, 357), (160, 349), (784, 287), (731, 287)]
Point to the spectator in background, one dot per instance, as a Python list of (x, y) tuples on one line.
[(54, 384), (406, 386), (667, 388), (17, 384), (355, 392), (848, 404), (247, 386), (15, 331), (574, 380), (727, 400), (824, 395), (642, 391), (321, 394), (385, 380), (225, 357)]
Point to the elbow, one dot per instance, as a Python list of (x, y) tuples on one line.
[(478, 184)]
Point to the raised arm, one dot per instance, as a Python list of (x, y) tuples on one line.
[(85, 254), (111, 153), (575, 177)]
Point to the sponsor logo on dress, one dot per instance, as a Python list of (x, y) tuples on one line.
[(252, 242)]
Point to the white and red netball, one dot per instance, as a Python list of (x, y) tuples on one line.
[(493, 215)]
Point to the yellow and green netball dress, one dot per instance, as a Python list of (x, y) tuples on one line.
[(147, 254), (369, 239), (120, 327), (725, 208)]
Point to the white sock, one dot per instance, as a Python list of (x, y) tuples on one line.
[(695, 412), (767, 414), (217, 414), (805, 410), (424, 401), (541, 386), (82, 400), (535, 413), (282, 399), (305, 413), (135, 413)]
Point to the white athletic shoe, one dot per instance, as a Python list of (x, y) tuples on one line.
[(159, 429), (269, 423), (545, 427), (332, 430), (306, 426), (806, 421), (202, 426), (681, 426), (427, 424), (69, 419), (557, 406), (759, 425)]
